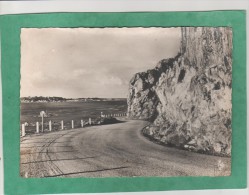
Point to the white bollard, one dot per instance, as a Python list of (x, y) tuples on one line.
[(62, 125), (37, 127), (82, 123), (23, 130), (72, 124), (90, 121), (50, 125), (42, 124)]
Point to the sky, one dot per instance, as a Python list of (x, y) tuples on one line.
[(90, 62)]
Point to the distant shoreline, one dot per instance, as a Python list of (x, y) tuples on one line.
[(41, 99)]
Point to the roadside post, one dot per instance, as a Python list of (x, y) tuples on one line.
[(42, 124), (42, 114), (62, 125), (82, 123), (72, 124), (90, 121), (50, 125), (23, 130), (37, 127)]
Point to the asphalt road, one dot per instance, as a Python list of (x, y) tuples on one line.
[(117, 150)]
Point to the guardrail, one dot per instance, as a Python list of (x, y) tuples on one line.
[(41, 127)]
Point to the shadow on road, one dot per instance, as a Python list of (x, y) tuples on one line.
[(75, 173)]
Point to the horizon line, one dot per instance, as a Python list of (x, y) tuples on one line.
[(76, 97)]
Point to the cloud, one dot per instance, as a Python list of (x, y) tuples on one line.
[(90, 62)]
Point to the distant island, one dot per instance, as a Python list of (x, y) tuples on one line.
[(61, 99)]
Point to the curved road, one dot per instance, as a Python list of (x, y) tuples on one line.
[(117, 150)]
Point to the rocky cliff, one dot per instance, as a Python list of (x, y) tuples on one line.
[(188, 98)]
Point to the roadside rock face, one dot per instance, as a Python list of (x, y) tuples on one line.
[(188, 98)]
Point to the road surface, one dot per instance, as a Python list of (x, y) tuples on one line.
[(117, 150)]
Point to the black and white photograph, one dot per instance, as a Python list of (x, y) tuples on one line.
[(125, 102)]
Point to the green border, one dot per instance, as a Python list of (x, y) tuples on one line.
[(10, 39)]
